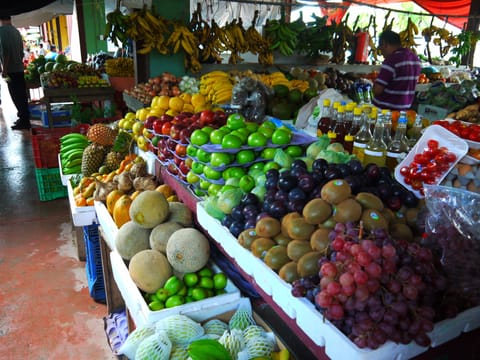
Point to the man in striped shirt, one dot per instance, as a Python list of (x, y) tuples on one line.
[(394, 88)]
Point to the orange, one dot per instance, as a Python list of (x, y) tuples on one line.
[(121, 210), (112, 198), (166, 190)]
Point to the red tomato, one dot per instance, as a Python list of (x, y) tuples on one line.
[(432, 144), (450, 157), (421, 159), (404, 170)]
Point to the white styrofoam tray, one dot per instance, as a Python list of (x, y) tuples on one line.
[(64, 177), (107, 224), (149, 158), (138, 308), (81, 215), (311, 321)]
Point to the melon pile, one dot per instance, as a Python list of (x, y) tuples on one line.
[(158, 240)]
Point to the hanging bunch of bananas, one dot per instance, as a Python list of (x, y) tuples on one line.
[(440, 37), (257, 44), (283, 36), (116, 27), (407, 36), (182, 38), (317, 37), (217, 86), (122, 66), (147, 29), (234, 40), (206, 37)]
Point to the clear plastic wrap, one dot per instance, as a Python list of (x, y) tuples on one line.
[(453, 226)]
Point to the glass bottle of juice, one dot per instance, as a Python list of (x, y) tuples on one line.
[(398, 147), (335, 106), (387, 126), (372, 118), (325, 118), (376, 150), (362, 137), (339, 128), (415, 132), (356, 121), (348, 120)]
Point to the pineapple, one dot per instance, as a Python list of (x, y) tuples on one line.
[(102, 134), (113, 160), (92, 158)]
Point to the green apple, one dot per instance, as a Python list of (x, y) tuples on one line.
[(213, 189), (227, 187), (199, 137), (220, 159), (245, 156), (191, 150), (236, 172), (208, 129), (231, 141), (282, 136), (257, 166), (251, 126), (247, 183), (241, 135), (192, 178), (271, 165), (236, 121), (268, 153), (211, 174), (216, 136), (204, 184), (269, 124), (294, 150), (257, 139), (197, 167), (203, 156), (266, 131)]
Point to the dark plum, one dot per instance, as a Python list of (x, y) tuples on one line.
[(237, 213), (277, 209), (236, 228), (272, 173), (409, 199), (386, 174), (296, 193), (281, 195), (344, 169), (250, 199), (384, 190), (287, 182), (394, 203), (355, 183), (298, 163), (250, 211), (319, 164), (227, 220), (355, 166), (397, 190), (284, 173), (298, 171), (250, 223), (306, 182), (372, 171), (318, 176), (271, 183), (262, 215), (333, 173), (316, 192), (296, 205)]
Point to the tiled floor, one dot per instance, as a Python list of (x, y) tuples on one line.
[(46, 311)]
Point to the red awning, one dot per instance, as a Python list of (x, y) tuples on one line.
[(446, 9)]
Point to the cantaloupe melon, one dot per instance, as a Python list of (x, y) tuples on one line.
[(161, 233), (188, 250), (180, 213), (131, 239), (149, 270), (149, 209)]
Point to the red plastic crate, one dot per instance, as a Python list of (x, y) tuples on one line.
[(46, 144)]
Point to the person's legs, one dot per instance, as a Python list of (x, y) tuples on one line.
[(18, 91)]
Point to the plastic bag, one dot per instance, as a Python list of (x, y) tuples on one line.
[(453, 227)]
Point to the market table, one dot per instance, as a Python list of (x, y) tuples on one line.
[(63, 95)]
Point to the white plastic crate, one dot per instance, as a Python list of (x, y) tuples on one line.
[(81, 215), (138, 308), (109, 228)]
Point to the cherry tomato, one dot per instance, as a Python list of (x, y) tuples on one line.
[(404, 170), (421, 159), (417, 184), (450, 157), (432, 144)]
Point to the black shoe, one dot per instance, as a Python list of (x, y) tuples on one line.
[(21, 126)]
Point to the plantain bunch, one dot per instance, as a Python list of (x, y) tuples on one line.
[(283, 36), (257, 44), (147, 29), (233, 37), (342, 41), (182, 38), (116, 27), (407, 36)]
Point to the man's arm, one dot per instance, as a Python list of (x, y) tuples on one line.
[(377, 89)]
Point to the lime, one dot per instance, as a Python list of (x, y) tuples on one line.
[(190, 279), (174, 300), (199, 293), (220, 281), (156, 305), (205, 272)]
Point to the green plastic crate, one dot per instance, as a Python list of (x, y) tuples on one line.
[(50, 184)]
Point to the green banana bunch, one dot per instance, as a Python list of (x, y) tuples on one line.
[(71, 151), (210, 349), (283, 36), (116, 27)]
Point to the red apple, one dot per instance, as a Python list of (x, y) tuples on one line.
[(177, 160), (166, 128), (207, 117), (171, 144), (185, 134), (184, 169), (181, 150), (175, 131), (166, 117)]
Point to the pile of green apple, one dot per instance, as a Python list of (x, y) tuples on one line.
[(236, 155), (193, 286)]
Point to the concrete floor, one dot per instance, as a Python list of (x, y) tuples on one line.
[(46, 311)]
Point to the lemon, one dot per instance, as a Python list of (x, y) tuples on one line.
[(129, 116), (198, 100), (188, 108), (176, 103), (121, 123), (171, 112), (157, 112), (186, 97), (141, 114), (137, 127), (128, 124), (163, 101)]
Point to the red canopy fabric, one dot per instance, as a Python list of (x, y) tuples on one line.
[(445, 8)]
